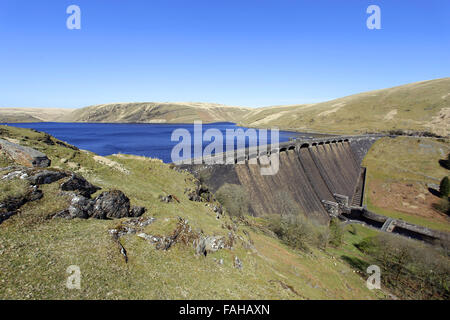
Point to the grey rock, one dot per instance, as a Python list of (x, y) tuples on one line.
[(140, 222), (209, 244), (22, 174), (167, 198), (148, 237), (80, 207), (46, 177), (111, 204), (108, 205), (80, 185), (237, 263), (24, 155)]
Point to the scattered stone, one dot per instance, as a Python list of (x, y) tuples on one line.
[(131, 226), (167, 198), (148, 237), (15, 174), (80, 185), (24, 155), (237, 263), (218, 209), (209, 244), (140, 222), (200, 193)]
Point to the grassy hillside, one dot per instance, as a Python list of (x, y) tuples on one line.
[(12, 115), (423, 106), (35, 251), (158, 113), (399, 172)]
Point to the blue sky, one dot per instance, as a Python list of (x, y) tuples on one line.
[(237, 52)]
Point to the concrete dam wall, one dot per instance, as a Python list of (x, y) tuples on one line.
[(310, 172)]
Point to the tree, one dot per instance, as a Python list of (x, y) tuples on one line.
[(444, 187)]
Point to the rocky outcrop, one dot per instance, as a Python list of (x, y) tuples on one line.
[(184, 234), (131, 226), (200, 193), (24, 155), (11, 205), (108, 205), (209, 244), (46, 177), (111, 204), (80, 185)]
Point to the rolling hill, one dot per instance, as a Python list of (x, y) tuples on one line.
[(422, 106), (11, 115), (152, 112)]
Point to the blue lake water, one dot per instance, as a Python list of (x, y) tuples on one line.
[(150, 140)]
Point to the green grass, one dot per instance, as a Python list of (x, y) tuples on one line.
[(11, 188)]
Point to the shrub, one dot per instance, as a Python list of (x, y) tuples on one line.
[(286, 204), (353, 230), (443, 205), (409, 268), (234, 198), (444, 187), (336, 233), (298, 232)]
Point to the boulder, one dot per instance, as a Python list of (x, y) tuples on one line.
[(24, 155), (209, 244), (111, 204), (80, 207), (80, 185)]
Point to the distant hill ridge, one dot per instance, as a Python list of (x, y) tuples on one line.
[(155, 112), (421, 106)]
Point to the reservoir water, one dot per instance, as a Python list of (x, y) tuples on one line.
[(150, 140)]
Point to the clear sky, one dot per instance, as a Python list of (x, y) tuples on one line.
[(237, 52)]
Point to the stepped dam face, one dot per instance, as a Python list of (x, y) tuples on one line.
[(311, 173)]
